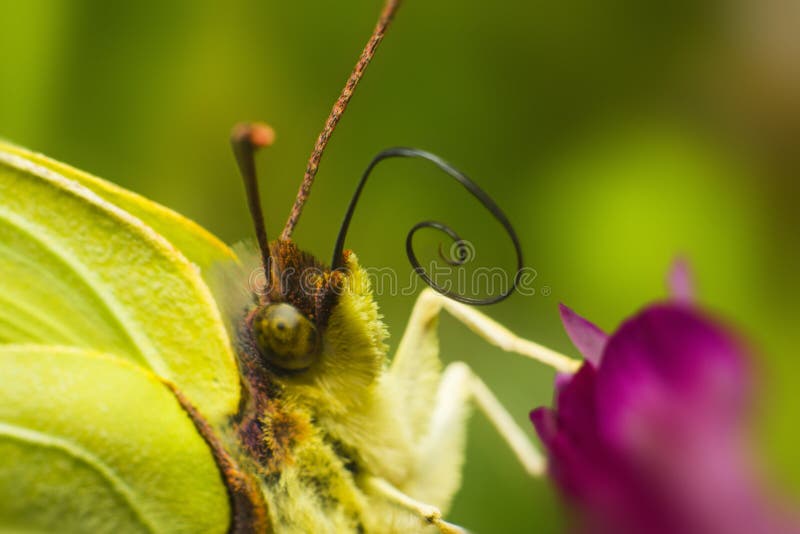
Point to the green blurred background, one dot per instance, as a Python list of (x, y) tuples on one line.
[(616, 135)]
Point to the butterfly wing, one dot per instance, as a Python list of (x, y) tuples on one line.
[(93, 443), (195, 243), (77, 270), (102, 301)]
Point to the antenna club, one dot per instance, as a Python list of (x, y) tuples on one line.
[(256, 134), (262, 135)]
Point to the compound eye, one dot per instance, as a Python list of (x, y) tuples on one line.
[(285, 337)]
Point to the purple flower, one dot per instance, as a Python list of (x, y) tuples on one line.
[(648, 436)]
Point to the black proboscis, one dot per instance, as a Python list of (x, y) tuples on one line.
[(461, 251)]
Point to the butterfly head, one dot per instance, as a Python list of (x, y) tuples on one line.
[(293, 308), (288, 326)]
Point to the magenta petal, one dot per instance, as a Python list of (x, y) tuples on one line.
[(673, 356), (561, 380), (680, 282), (587, 338), (575, 403), (650, 436), (544, 421), (592, 475)]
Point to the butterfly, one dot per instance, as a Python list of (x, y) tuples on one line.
[(136, 395)]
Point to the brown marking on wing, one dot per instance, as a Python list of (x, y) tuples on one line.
[(248, 509)]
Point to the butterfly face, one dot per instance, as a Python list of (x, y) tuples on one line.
[(287, 324)]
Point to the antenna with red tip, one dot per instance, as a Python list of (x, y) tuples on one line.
[(245, 140)]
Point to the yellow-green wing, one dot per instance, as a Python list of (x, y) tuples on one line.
[(197, 244), (92, 443), (77, 270)]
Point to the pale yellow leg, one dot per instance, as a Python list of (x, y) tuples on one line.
[(499, 335), (436, 404), (429, 514), (459, 387), (416, 367)]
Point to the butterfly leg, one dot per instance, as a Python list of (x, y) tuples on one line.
[(461, 388), (436, 475), (422, 325), (430, 514), (436, 404), (499, 335), (416, 368)]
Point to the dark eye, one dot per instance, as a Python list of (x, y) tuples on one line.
[(285, 337)]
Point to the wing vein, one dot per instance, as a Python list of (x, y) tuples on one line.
[(80, 454), (143, 346)]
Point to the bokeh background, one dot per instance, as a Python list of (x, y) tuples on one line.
[(616, 135)]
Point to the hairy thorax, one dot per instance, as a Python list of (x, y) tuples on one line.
[(312, 435)]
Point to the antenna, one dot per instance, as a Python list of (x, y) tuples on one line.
[(389, 10), (245, 140)]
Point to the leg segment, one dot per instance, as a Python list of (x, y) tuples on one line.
[(499, 335), (435, 405), (460, 387), (429, 514), (416, 367)]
